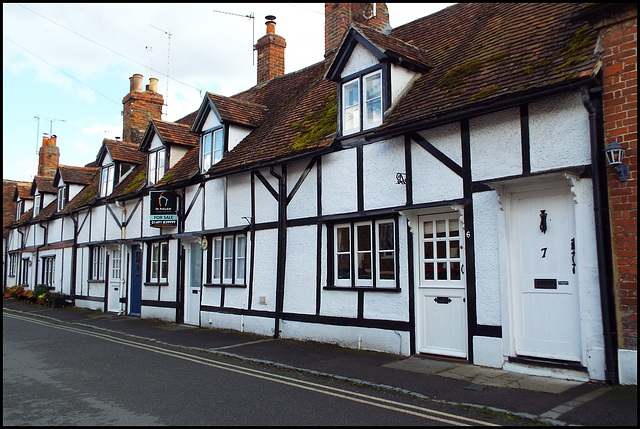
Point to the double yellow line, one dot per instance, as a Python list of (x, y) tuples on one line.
[(438, 416)]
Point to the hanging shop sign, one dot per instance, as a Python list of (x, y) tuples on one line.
[(163, 209)]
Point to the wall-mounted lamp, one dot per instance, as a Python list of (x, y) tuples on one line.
[(615, 154)]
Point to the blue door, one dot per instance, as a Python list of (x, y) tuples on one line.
[(136, 281)]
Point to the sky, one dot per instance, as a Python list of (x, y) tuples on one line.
[(66, 66)]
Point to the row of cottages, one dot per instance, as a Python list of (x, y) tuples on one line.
[(436, 188)]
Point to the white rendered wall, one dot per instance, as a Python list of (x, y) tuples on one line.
[(359, 60), (559, 130), (214, 203), (300, 272), (628, 366), (487, 226), (400, 78), (156, 142), (432, 180), (193, 221), (161, 313), (55, 230), (212, 121), (339, 182), (266, 204), (236, 135), (305, 202), (496, 145), (382, 161), (176, 154), (239, 199), (265, 265)]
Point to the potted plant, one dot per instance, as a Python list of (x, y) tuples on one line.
[(29, 295), (17, 291), (56, 299)]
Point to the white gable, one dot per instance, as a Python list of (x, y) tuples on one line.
[(212, 121), (107, 159), (156, 142), (236, 135), (359, 60)]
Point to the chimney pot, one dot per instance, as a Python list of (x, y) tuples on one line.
[(135, 83), (153, 84)]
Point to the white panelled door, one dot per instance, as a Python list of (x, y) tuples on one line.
[(442, 295), (194, 283), (546, 308), (115, 281)]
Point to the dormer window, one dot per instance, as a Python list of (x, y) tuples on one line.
[(212, 148), (106, 180), (156, 166), (19, 206), (362, 103), (36, 204), (61, 197)]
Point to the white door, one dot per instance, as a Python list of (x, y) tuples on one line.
[(546, 311), (194, 282), (115, 281), (441, 297)]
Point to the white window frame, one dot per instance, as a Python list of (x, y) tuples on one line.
[(97, 263), (445, 266), (361, 255), (36, 204), (106, 179), (156, 166), (159, 266), (13, 263), (228, 259), (49, 270), (60, 202), (211, 148), (116, 263), (19, 206), (354, 117)]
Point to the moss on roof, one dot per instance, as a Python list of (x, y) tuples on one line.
[(316, 125)]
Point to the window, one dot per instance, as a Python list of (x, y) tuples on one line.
[(357, 115), (13, 263), (159, 263), (36, 204), (212, 148), (61, 196), (106, 180), (155, 169), (441, 246), (228, 259), (49, 270), (364, 254), (116, 264), (24, 271), (19, 206), (96, 263)]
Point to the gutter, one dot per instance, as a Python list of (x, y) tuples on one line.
[(603, 233)]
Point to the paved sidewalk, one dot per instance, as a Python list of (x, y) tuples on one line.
[(534, 398)]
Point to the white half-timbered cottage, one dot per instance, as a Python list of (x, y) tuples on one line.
[(435, 188)]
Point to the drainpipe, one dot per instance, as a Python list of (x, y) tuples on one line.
[(603, 237), (44, 243), (74, 257), (123, 236)]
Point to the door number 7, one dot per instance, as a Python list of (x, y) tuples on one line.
[(544, 251)]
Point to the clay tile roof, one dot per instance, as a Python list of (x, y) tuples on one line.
[(9, 189), (23, 191), (86, 196), (301, 119), (46, 213), (125, 152), (184, 170), (77, 175), (486, 52), (44, 185), (175, 133), (131, 184), (237, 111), (394, 47)]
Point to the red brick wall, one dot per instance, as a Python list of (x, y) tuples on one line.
[(270, 57), (620, 96), (139, 109), (339, 16), (48, 157)]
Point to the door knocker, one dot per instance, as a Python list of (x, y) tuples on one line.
[(543, 221)]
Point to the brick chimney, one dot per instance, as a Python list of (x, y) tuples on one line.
[(339, 16), (49, 156), (139, 107), (270, 53)]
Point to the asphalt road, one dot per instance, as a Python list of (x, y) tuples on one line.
[(58, 374)]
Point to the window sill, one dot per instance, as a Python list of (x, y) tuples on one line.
[(224, 285), (156, 283), (364, 288), (95, 281)]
